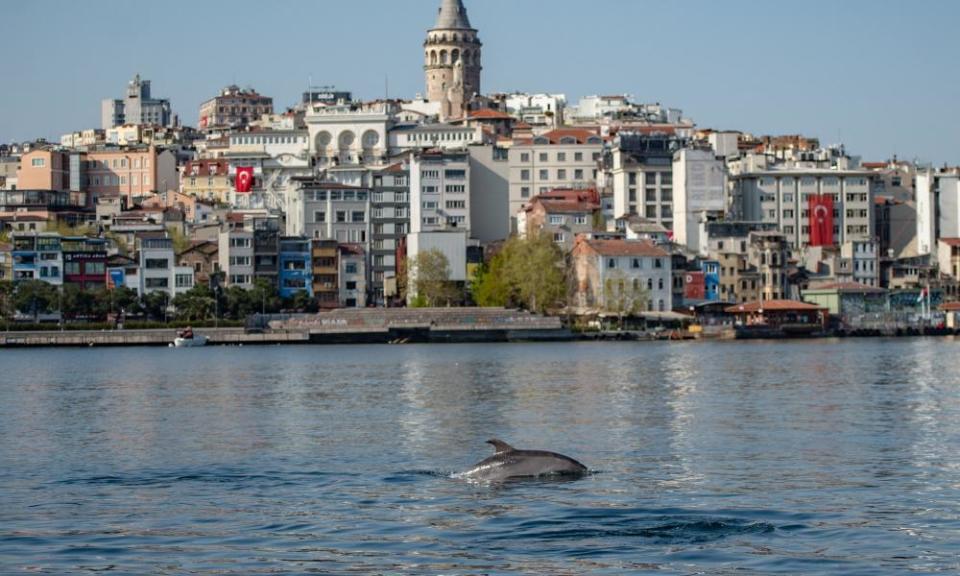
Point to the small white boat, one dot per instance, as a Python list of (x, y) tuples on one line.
[(187, 339)]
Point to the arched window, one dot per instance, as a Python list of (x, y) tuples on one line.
[(456, 38), (443, 57), (454, 56), (661, 284), (433, 57)]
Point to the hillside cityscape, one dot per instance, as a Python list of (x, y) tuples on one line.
[(607, 212)]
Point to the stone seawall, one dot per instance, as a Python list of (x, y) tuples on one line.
[(365, 326)]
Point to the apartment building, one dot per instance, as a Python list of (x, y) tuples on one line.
[(559, 159), (390, 218), (640, 169), (233, 108), (440, 191), (780, 194)]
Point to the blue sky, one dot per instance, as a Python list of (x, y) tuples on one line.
[(879, 75)]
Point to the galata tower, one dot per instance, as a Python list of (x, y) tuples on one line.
[(452, 60)]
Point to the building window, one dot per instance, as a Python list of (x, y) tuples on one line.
[(525, 157), (341, 216), (556, 220), (611, 263), (157, 264), (525, 192), (319, 217), (559, 238), (578, 174), (561, 174), (38, 162), (544, 157), (524, 174), (635, 263), (544, 174), (358, 217)]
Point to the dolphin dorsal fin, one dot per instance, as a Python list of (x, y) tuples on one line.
[(500, 445)]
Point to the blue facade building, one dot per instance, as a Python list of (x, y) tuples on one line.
[(711, 280), (296, 272), (38, 257)]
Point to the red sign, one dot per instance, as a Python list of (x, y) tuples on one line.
[(821, 221), (244, 179), (695, 286)]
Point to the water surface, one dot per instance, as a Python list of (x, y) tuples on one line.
[(756, 458)]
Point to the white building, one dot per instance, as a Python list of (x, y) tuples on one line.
[(780, 195), (451, 243), (276, 156), (641, 169), (158, 269), (407, 137), (347, 139), (236, 257), (864, 256), (440, 191), (605, 268), (699, 193), (938, 209), (329, 211), (537, 109)]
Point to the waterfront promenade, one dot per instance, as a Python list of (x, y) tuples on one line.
[(353, 326)]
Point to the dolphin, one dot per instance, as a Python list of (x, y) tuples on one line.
[(510, 464)]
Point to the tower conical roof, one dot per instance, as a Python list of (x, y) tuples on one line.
[(453, 16)]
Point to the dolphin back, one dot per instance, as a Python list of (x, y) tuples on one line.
[(517, 464)]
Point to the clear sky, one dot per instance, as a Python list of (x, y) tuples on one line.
[(878, 75)]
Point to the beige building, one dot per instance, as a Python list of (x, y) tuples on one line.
[(131, 172), (206, 179), (233, 108), (561, 215), (452, 65), (560, 159), (44, 169)]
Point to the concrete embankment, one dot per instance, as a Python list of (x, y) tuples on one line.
[(108, 338), (398, 326)]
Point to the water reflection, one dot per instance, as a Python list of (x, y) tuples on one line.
[(808, 457)]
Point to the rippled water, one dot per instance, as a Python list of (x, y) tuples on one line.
[(782, 458)]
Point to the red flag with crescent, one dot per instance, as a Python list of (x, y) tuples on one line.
[(244, 179), (821, 221)]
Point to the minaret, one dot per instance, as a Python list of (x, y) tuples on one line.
[(451, 41)]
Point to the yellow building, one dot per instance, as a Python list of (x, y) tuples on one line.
[(207, 180)]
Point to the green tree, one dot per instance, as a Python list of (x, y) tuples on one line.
[(181, 243), (429, 272), (6, 301), (301, 302), (35, 297), (77, 303), (155, 305), (528, 273), (195, 305), (113, 302), (264, 297)]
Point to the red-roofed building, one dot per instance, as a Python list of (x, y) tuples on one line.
[(560, 159), (207, 180), (561, 215), (620, 276)]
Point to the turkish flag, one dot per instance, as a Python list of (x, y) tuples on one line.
[(244, 179), (821, 221)]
